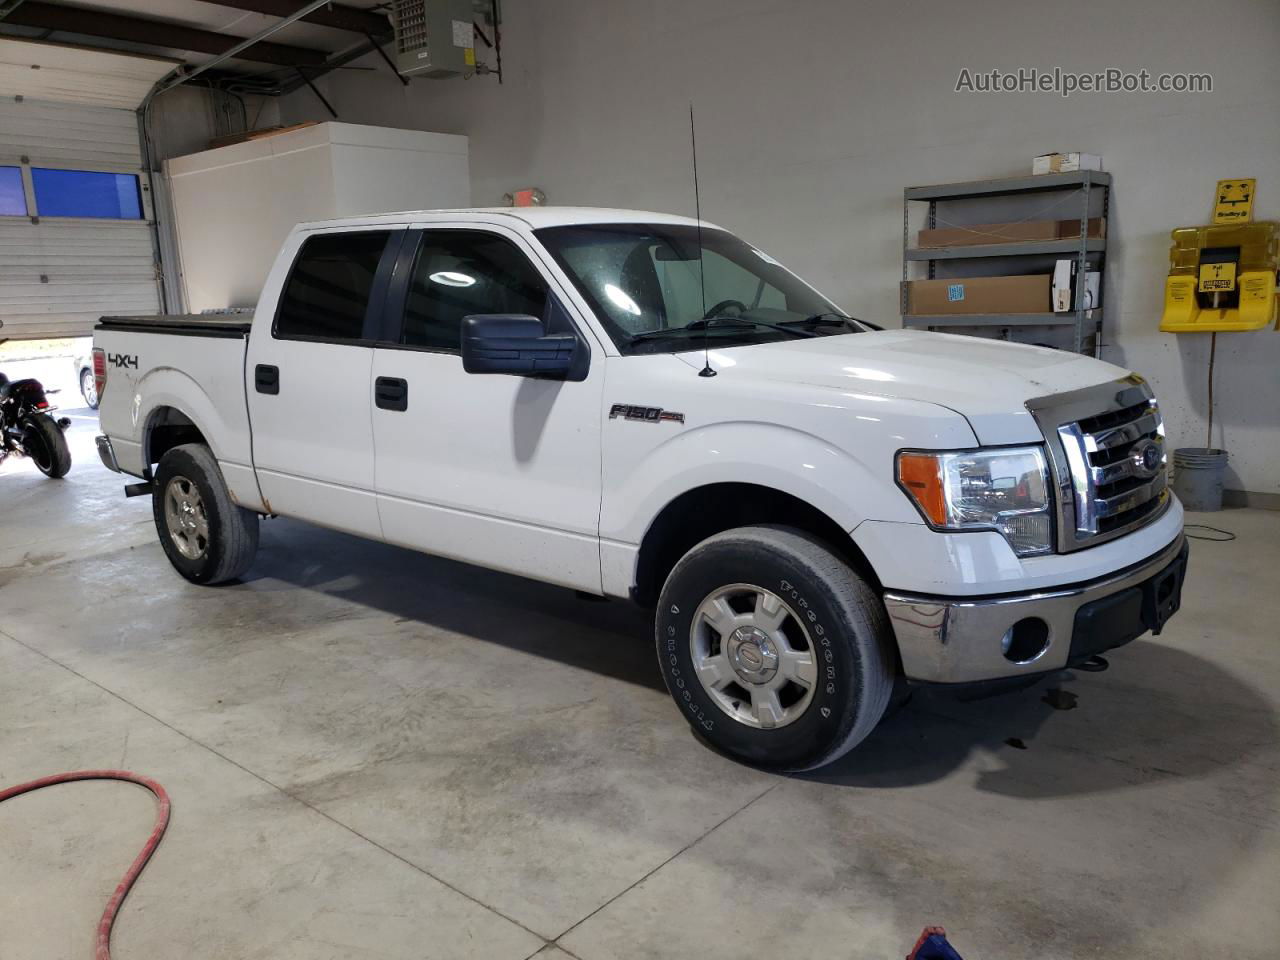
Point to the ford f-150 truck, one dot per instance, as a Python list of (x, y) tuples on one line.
[(638, 405)]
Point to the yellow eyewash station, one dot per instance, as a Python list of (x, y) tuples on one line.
[(1222, 277)]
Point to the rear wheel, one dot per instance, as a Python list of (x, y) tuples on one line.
[(89, 389), (776, 651), (43, 442), (206, 536)]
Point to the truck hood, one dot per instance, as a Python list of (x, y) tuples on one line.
[(986, 381)]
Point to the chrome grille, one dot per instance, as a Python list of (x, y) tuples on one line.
[(1106, 447)]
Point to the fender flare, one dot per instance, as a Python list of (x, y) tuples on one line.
[(168, 387)]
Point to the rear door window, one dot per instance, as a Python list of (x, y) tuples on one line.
[(327, 294)]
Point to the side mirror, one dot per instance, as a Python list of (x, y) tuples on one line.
[(515, 343)]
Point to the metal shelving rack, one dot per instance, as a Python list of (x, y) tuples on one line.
[(1087, 324)]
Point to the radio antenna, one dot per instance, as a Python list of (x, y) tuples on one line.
[(706, 370)]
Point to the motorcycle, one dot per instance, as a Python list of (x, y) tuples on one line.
[(28, 428)]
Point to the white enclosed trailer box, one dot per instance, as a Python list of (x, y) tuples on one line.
[(233, 206)]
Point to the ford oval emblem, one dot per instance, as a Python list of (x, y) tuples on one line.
[(1146, 457)]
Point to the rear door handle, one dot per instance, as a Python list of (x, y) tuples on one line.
[(266, 378), (391, 393)]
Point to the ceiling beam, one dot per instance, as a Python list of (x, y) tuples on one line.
[(334, 15), (156, 33), (335, 62), (8, 6)]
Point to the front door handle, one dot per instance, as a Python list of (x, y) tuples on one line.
[(266, 378), (391, 393)]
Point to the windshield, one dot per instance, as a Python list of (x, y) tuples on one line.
[(645, 283)]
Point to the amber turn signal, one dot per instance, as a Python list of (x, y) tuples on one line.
[(920, 474)]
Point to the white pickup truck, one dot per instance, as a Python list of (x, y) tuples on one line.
[(635, 405)]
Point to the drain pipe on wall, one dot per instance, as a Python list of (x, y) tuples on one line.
[(163, 246)]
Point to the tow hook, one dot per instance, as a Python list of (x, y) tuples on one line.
[(1094, 664)]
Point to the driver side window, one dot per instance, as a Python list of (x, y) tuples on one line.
[(461, 272)]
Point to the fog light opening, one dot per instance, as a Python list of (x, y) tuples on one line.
[(1026, 640)]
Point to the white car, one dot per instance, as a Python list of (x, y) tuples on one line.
[(636, 405), (83, 363)]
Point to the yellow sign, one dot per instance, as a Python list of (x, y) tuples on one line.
[(1234, 201), (1217, 276)]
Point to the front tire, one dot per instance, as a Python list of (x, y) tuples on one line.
[(44, 444), (775, 650), (206, 536)]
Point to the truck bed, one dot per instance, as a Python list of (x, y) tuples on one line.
[(183, 324), (155, 370)]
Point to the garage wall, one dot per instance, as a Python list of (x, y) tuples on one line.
[(814, 114), (186, 118)]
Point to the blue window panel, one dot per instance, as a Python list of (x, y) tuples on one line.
[(85, 193), (13, 202)]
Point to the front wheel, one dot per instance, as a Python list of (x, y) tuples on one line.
[(43, 442), (774, 649), (206, 536)]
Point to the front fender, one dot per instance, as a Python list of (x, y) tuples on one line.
[(782, 458)]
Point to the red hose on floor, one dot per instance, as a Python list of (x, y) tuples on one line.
[(103, 950)]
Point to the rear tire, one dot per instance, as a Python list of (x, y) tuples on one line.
[(206, 536), (43, 442), (89, 389), (775, 650)]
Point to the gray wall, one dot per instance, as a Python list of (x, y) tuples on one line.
[(814, 114), (186, 118)]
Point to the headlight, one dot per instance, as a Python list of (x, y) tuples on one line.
[(1004, 489)]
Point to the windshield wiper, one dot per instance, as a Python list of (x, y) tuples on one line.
[(854, 324), (700, 325)]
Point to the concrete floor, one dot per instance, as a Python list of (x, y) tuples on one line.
[(373, 753)]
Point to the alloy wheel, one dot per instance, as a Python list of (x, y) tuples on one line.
[(186, 518), (753, 656)]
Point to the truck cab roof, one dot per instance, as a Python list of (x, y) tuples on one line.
[(533, 217)]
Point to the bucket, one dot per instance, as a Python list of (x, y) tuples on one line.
[(1197, 477)]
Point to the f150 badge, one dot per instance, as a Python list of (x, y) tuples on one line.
[(630, 411)]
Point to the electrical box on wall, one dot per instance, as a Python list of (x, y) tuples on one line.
[(434, 38)]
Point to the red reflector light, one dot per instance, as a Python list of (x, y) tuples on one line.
[(42, 404), (99, 371)]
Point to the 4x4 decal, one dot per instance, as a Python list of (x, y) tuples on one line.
[(123, 360)]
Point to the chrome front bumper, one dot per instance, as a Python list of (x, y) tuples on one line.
[(107, 453), (944, 640)]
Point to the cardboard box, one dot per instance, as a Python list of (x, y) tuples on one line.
[(1065, 163), (1023, 294), (980, 233)]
